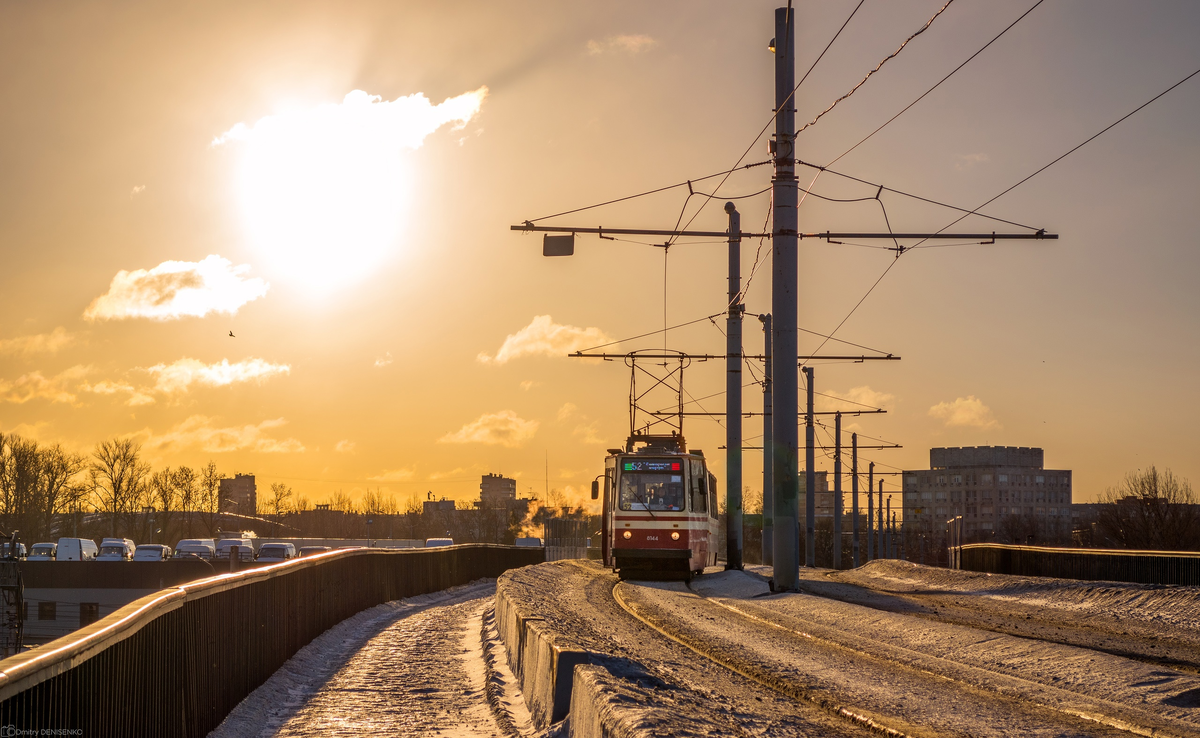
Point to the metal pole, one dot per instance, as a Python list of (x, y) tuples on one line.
[(879, 550), (784, 279), (768, 541), (887, 530), (733, 397), (870, 511), (837, 492), (810, 479), (854, 496)]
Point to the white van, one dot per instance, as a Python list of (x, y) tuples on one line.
[(76, 549), (196, 550), (271, 552), (116, 549), (210, 542), (435, 542), (42, 552), (245, 548), (5, 553), (152, 552)]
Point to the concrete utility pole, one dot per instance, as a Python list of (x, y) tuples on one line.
[(768, 540), (810, 479), (887, 531), (854, 495), (784, 284), (733, 397), (837, 492), (879, 549), (870, 511)]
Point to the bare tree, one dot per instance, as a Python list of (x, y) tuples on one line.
[(209, 497), (118, 476), (188, 495), (61, 490), (19, 486), (165, 494), (1151, 510), (280, 502)]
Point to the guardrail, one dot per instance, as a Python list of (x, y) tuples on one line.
[(178, 661), (1116, 565)]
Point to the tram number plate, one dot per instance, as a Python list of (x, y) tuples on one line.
[(651, 538)]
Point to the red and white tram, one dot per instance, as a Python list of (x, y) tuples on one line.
[(660, 511)]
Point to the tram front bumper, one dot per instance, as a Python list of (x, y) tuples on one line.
[(652, 553)]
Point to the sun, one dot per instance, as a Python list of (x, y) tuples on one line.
[(324, 191)]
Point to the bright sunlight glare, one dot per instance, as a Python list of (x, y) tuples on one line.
[(323, 190)]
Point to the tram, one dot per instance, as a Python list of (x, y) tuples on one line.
[(660, 510)]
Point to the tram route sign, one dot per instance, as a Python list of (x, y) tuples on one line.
[(658, 465)]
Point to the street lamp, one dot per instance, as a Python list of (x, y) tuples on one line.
[(369, 521)]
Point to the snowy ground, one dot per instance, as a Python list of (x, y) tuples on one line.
[(414, 667)]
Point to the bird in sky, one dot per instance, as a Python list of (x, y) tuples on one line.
[(231, 335)]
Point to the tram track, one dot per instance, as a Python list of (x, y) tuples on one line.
[(820, 658)]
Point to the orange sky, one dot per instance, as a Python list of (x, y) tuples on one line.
[(333, 184)]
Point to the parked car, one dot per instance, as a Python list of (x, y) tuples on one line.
[(20, 548), (210, 542), (42, 552), (277, 552), (245, 548), (195, 550), (152, 552), (435, 542), (310, 550), (116, 549), (76, 549)]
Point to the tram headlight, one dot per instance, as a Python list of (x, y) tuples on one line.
[(628, 535), (674, 535)]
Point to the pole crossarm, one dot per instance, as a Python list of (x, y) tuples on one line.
[(754, 415), (706, 357), (1040, 235)]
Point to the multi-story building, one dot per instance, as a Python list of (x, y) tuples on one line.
[(496, 491), (239, 495), (989, 486)]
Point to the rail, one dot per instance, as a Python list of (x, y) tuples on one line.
[(1095, 564), (178, 661)]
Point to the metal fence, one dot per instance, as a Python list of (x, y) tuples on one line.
[(178, 661), (565, 538), (1145, 567)]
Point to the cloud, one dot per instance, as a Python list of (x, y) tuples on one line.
[(858, 396), (965, 412), (42, 343), (384, 360), (625, 43), (545, 337), (137, 190), (199, 430), (177, 289), (587, 433), (345, 446), (36, 386), (109, 387), (529, 384), (504, 428), (565, 411), (394, 475), (966, 161), (180, 375)]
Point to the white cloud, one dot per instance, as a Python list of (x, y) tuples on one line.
[(36, 386), (384, 360), (108, 387), (545, 337), (587, 433), (394, 475), (200, 431), (137, 190), (177, 289), (504, 428), (565, 411), (857, 397), (180, 375), (42, 343), (625, 43), (529, 384), (965, 412), (345, 446), (324, 190), (966, 161)]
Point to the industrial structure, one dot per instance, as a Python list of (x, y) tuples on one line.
[(239, 495)]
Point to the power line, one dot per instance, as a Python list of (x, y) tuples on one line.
[(651, 333), (879, 66)]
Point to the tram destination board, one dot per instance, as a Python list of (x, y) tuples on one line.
[(653, 465)]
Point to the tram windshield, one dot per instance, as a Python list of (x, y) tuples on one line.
[(642, 490)]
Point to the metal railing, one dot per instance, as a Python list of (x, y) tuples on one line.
[(178, 661), (1095, 564)]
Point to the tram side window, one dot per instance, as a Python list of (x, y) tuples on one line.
[(699, 488), (651, 491), (712, 496)]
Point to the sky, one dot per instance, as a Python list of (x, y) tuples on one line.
[(276, 235)]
